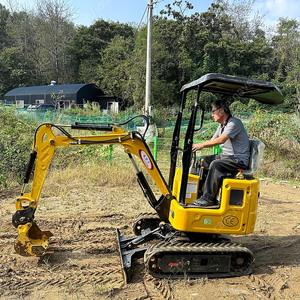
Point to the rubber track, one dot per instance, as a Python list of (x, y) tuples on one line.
[(146, 215), (195, 248)]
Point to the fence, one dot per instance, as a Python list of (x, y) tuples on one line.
[(159, 146), (58, 117)]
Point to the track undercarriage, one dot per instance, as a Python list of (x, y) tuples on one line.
[(173, 254)]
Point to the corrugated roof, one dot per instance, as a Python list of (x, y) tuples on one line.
[(47, 89)]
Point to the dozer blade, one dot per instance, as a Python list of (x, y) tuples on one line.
[(128, 255), (32, 241)]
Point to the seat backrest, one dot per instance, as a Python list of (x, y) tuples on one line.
[(256, 156)]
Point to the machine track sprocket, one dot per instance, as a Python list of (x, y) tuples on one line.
[(178, 259), (145, 220)]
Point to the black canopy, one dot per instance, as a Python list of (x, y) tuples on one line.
[(261, 91)]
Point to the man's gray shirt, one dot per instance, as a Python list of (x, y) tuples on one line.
[(238, 144)]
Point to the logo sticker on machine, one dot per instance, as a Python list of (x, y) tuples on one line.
[(146, 159), (230, 221), (207, 221)]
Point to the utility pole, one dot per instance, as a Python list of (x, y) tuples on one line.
[(148, 109)]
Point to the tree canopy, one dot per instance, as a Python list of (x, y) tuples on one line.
[(43, 44)]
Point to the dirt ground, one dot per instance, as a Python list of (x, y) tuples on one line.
[(86, 262)]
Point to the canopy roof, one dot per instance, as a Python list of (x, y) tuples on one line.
[(261, 91)]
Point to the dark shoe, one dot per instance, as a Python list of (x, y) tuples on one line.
[(204, 202)]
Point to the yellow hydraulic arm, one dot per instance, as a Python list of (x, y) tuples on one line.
[(34, 242)]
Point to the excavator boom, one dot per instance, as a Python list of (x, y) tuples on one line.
[(34, 242)]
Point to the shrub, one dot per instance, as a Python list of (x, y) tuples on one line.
[(15, 144), (281, 135)]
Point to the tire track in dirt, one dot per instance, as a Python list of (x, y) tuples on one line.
[(109, 278), (145, 286), (86, 254), (92, 235), (158, 288), (268, 288)]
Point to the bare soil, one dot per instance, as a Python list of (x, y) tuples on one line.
[(86, 263)]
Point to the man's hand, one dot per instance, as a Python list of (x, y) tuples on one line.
[(197, 147), (210, 143)]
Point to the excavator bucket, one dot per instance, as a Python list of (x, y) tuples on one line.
[(32, 241)]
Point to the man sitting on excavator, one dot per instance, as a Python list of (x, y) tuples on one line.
[(234, 141)]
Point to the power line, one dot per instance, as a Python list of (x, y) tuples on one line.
[(143, 17), (154, 3)]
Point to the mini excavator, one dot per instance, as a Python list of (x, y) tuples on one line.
[(180, 239)]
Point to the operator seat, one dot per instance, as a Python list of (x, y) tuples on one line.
[(256, 155)]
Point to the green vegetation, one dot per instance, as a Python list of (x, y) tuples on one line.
[(280, 133), (223, 39), (15, 144)]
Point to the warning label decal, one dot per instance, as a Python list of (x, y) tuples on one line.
[(146, 159)]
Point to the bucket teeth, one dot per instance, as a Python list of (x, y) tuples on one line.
[(47, 233), (53, 242), (38, 251)]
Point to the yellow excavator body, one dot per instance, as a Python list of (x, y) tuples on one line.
[(192, 236), (236, 213)]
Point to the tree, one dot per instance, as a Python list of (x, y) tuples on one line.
[(16, 70), (115, 68), (200, 38), (286, 63), (243, 28), (89, 42), (22, 33), (4, 18), (165, 72), (177, 11), (284, 41), (53, 20)]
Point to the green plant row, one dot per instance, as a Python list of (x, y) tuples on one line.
[(279, 132)]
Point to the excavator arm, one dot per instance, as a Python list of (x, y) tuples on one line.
[(34, 242)]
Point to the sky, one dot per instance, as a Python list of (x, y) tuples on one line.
[(128, 11)]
